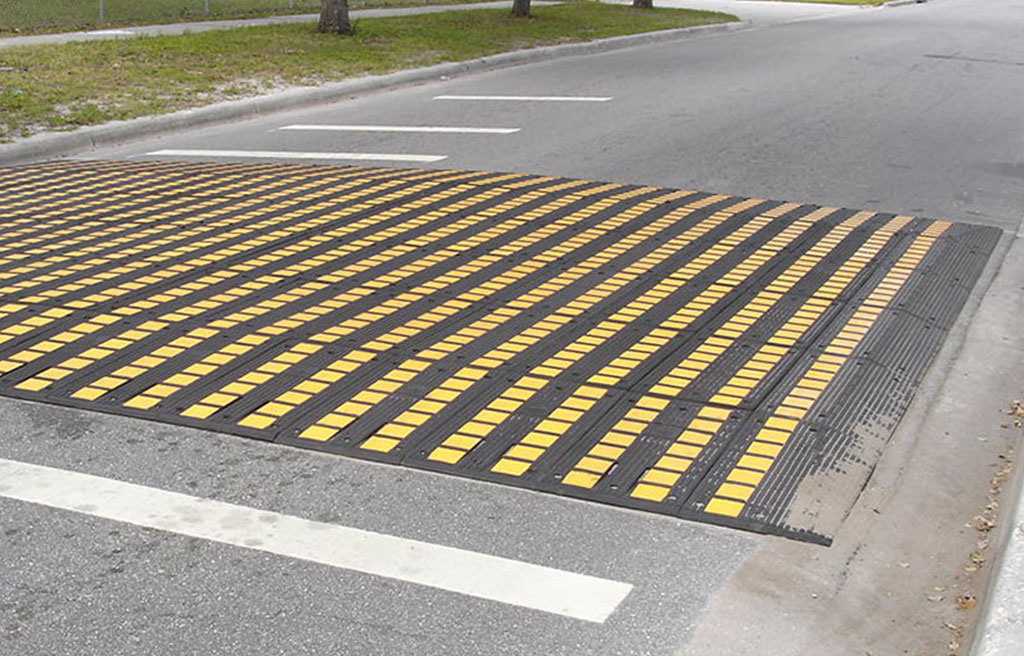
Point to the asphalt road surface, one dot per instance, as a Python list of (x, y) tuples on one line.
[(909, 110)]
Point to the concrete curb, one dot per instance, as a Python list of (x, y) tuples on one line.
[(1000, 629), (54, 144)]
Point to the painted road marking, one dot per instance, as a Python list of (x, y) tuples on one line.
[(400, 128), (470, 573), (286, 154), (611, 342), (529, 98)]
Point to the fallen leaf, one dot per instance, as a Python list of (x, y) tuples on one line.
[(965, 602)]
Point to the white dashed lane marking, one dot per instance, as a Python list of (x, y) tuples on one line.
[(400, 128), (285, 154), (530, 98)]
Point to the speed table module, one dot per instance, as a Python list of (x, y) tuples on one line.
[(738, 361)]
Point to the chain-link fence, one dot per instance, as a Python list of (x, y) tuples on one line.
[(50, 15)]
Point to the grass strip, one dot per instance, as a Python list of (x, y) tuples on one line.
[(59, 87), (32, 16)]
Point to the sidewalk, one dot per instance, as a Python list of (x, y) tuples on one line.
[(206, 26), (761, 13)]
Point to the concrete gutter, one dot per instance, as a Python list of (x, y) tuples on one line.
[(54, 144)]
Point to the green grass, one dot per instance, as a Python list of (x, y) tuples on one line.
[(51, 87), (25, 16)]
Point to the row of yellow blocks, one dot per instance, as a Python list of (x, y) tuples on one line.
[(656, 483), (171, 270), (98, 182), (267, 414), (47, 377), (90, 356), (683, 374), (459, 443), (669, 468), (519, 458), (542, 436), (692, 440), (462, 380), (236, 217), (126, 338), (732, 495), (590, 469), (750, 469), (209, 304), (305, 390), (208, 364), (79, 198), (156, 393), (81, 266), (362, 402), (52, 240), (334, 421)]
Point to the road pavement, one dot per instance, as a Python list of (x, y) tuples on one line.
[(911, 109)]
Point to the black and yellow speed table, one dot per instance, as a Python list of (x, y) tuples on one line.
[(731, 360)]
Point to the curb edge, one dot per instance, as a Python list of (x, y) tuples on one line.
[(55, 144)]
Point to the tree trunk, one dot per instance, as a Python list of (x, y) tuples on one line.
[(643, 4), (521, 8), (334, 17)]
